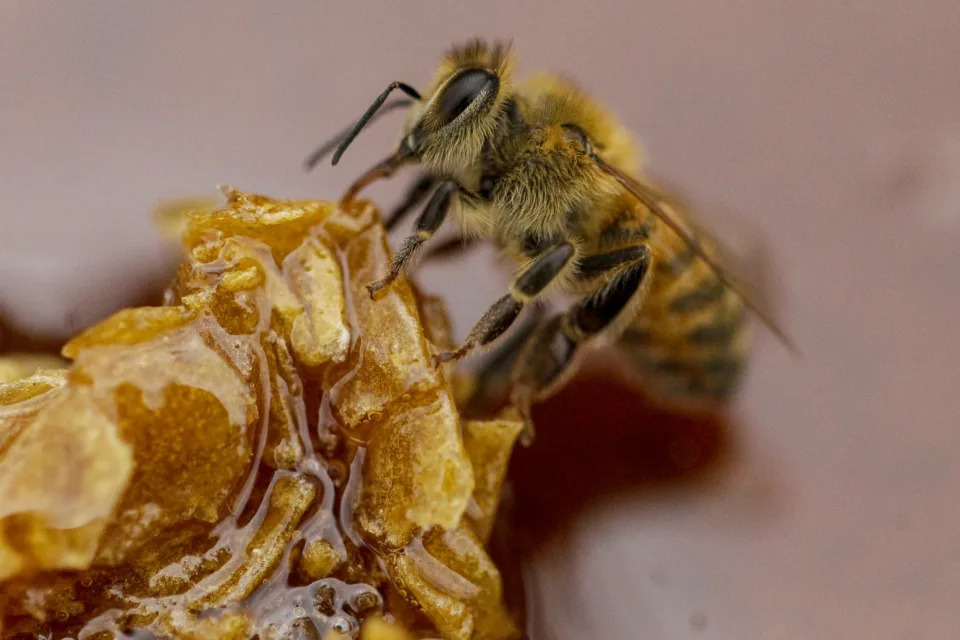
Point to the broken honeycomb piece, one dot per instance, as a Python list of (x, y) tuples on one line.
[(17, 405), (320, 559), (271, 454), (394, 364), (489, 443), (17, 366)]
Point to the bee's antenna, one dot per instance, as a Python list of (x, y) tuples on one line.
[(365, 118), (324, 150), (655, 203)]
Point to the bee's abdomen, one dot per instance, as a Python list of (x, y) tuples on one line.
[(689, 340)]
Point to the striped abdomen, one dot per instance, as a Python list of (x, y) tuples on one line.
[(689, 339)]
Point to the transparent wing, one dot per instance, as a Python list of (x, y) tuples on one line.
[(665, 207), (743, 247)]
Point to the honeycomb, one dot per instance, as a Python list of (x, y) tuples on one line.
[(271, 454)]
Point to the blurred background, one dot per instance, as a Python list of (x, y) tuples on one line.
[(829, 131)]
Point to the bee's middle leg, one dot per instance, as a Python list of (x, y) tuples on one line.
[(531, 282)]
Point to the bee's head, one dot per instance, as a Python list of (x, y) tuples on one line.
[(447, 128), (447, 125)]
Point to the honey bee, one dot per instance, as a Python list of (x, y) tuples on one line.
[(544, 171)]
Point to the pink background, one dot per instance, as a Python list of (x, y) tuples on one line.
[(831, 129)]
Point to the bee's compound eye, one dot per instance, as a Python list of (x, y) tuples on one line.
[(464, 90)]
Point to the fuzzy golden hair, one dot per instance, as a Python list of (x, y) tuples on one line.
[(557, 99), (551, 176)]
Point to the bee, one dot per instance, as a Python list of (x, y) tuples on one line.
[(545, 172)]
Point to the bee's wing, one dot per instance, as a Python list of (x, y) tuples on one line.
[(665, 207), (743, 248), (746, 251)]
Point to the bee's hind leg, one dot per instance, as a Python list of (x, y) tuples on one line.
[(546, 360), (489, 384)]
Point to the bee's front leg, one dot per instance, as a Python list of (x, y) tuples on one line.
[(413, 196), (427, 224)]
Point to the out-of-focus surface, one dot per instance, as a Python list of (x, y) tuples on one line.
[(833, 130)]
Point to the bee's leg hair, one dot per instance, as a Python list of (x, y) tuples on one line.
[(491, 381)]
